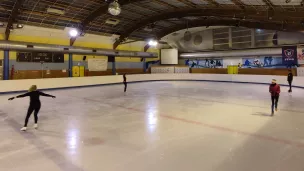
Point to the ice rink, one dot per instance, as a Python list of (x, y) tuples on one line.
[(156, 126)]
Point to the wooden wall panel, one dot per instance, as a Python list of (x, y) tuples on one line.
[(37, 74), (262, 71), (209, 70), (246, 71)]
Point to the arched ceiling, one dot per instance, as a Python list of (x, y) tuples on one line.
[(142, 19)]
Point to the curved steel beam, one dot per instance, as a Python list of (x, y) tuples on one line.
[(231, 13), (13, 16), (242, 23)]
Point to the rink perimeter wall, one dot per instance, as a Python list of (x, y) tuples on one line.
[(14, 86)]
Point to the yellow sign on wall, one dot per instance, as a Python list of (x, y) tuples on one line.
[(75, 70), (81, 71), (78, 71)]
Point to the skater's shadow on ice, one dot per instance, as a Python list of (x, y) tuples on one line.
[(262, 114)]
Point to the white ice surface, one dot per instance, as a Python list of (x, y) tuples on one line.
[(156, 126)]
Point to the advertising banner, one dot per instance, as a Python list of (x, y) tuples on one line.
[(289, 55), (300, 51)]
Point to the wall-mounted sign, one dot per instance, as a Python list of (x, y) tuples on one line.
[(47, 57), (24, 57), (300, 52), (289, 55), (42, 57)]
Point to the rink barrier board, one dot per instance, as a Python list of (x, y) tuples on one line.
[(143, 81)]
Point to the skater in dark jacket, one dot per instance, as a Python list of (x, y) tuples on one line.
[(274, 90), (289, 79), (125, 82), (35, 104)]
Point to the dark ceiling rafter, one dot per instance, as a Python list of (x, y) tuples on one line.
[(230, 13), (238, 3), (188, 3), (164, 3), (221, 22), (13, 17), (213, 2), (268, 3), (103, 9)]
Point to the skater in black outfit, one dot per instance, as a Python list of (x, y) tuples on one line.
[(289, 79), (125, 82), (35, 104)]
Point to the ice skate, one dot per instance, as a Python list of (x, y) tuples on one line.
[(23, 129), (276, 109), (36, 126)]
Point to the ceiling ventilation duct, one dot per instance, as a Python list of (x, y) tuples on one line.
[(112, 21), (57, 11), (234, 53), (29, 47)]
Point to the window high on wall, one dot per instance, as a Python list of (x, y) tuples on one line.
[(240, 37), (264, 38), (221, 38)]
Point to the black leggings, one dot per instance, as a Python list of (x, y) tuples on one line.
[(32, 108), (125, 83), (274, 102), (289, 82)]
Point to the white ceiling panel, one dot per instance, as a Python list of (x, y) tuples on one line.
[(253, 2), (283, 2)]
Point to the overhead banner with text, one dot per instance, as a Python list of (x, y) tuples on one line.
[(289, 55), (300, 51), (98, 64)]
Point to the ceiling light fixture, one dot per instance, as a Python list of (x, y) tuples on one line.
[(114, 8), (19, 26), (73, 33), (152, 43)]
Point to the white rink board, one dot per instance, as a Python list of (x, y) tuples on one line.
[(181, 70), (162, 70), (51, 83)]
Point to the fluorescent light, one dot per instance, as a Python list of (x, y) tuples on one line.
[(153, 43), (19, 26), (73, 33)]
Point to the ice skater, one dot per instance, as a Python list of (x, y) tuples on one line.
[(34, 106), (274, 90), (289, 79), (125, 82)]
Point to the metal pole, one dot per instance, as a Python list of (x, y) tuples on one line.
[(113, 67), (70, 65), (6, 65), (41, 69), (144, 63)]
